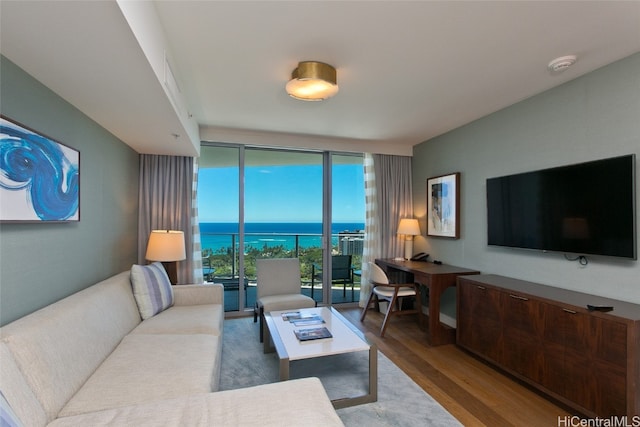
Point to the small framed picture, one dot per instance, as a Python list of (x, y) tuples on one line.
[(443, 206), (39, 177)]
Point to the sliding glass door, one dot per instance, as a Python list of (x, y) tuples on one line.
[(219, 215), (283, 211), (256, 203), (347, 226)]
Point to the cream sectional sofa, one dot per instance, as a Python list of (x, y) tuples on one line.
[(89, 359)]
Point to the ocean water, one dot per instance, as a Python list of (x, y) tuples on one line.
[(218, 235)]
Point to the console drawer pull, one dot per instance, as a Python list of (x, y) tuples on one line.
[(482, 288), (519, 297), (566, 310)]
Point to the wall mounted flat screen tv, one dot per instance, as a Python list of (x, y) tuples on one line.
[(585, 209)]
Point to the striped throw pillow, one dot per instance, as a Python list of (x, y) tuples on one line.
[(151, 289)]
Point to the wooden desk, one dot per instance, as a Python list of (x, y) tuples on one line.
[(436, 278)]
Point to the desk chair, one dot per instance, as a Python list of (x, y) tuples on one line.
[(391, 292), (278, 288)]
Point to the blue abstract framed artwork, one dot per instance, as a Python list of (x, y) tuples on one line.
[(39, 177)]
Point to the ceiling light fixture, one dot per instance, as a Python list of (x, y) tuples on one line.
[(560, 64), (312, 81)]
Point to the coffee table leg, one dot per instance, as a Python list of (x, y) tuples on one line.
[(373, 373), (284, 369), (372, 396)]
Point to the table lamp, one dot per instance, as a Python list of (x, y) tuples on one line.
[(409, 228), (167, 246)]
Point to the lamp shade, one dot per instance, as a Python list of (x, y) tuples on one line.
[(312, 81), (409, 227), (166, 245)]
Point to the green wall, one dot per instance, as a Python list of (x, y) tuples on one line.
[(592, 117), (42, 263)]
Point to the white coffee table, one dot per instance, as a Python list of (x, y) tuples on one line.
[(346, 339)]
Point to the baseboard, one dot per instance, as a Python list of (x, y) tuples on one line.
[(447, 320)]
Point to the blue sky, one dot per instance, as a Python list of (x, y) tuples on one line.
[(280, 194)]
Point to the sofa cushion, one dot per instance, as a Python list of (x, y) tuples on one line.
[(148, 367), (208, 293), (58, 347), (151, 289), (302, 402), (191, 319)]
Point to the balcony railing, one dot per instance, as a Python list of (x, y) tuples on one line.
[(220, 260)]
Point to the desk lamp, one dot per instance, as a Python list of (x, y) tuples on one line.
[(409, 228), (167, 246)]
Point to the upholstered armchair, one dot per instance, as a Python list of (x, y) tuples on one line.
[(278, 287)]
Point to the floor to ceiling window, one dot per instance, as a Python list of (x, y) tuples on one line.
[(276, 204), (347, 225), (219, 216)]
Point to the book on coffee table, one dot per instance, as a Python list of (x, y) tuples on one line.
[(302, 319), (307, 322), (312, 334), (291, 315)]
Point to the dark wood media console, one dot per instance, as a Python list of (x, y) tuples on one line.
[(546, 336)]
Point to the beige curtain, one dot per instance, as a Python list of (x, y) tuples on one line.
[(389, 197), (371, 247), (196, 248), (166, 192)]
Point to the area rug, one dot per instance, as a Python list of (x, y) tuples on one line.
[(401, 402)]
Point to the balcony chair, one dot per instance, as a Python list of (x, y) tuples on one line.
[(207, 270), (341, 273), (391, 292), (278, 288)]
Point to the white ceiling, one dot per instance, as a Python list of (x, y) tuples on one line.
[(407, 71)]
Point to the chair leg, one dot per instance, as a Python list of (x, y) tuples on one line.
[(261, 324), (390, 312), (366, 307)]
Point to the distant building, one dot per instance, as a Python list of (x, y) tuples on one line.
[(351, 242)]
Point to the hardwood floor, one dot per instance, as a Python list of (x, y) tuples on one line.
[(472, 391)]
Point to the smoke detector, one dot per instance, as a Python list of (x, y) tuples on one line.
[(560, 64)]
